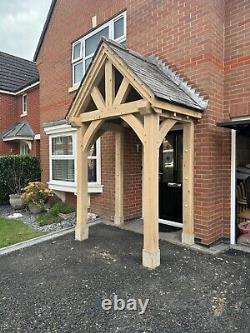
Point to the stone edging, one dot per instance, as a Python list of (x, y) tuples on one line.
[(40, 239)]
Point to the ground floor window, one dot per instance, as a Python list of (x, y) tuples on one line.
[(63, 159), (24, 149)]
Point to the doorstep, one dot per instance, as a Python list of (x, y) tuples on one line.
[(240, 247), (171, 237)]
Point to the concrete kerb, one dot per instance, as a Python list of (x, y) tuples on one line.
[(41, 239)]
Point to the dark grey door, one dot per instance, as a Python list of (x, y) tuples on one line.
[(170, 177)]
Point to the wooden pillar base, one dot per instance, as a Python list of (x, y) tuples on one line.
[(150, 259), (187, 238), (81, 232), (118, 220)]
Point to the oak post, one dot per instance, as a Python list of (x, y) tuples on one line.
[(188, 183), (119, 171), (81, 229), (151, 252)]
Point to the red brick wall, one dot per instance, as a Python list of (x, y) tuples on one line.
[(33, 114), (10, 111), (237, 58), (103, 204), (189, 34), (8, 116), (236, 82)]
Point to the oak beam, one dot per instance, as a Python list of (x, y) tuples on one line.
[(165, 127), (109, 84), (114, 111), (151, 252), (135, 124), (119, 177), (97, 98), (188, 184), (90, 134), (176, 108), (122, 92), (81, 229)]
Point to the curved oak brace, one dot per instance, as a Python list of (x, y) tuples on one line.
[(136, 125), (90, 133), (165, 127)]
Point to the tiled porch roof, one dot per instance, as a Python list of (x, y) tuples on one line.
[(158, 77), (18, 131)]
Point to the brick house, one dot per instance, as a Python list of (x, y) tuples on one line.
[(19, 106), (203, 48)]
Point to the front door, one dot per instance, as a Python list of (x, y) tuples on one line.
[(170, 177)]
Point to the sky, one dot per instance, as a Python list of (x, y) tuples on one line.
[(21, 23)]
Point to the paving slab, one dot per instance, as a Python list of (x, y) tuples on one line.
[(59, 286)]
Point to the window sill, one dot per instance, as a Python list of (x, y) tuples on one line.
[(74, 88), (92, 188), (23, 115)]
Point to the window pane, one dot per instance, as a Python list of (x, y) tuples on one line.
[(78, 72), (119, 28), (77, 51), (24, 149), (62, 145), (92, 151), (63, 170), (24, 103), (92, 42), (92, 170), (87, 63)]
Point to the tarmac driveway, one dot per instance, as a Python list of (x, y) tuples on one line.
[(59, 286)]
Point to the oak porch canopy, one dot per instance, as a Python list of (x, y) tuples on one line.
[(122, 87)]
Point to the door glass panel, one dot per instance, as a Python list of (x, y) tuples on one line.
[(167, 160)]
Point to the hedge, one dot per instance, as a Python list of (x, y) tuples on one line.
[(16, 172)]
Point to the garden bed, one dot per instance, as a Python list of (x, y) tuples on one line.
[(45, 222)]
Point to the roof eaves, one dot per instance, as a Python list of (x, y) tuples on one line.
[(45, 27), (192, 93)]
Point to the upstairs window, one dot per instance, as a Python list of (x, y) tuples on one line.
[(84, 49), (24, 105)]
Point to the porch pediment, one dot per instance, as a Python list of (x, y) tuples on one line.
[(120, 81)]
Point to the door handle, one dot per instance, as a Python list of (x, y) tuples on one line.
[(174, 185)]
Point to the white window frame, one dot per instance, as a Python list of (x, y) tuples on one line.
[(24, 110), (67, 186), (62, 157), (83, 58)]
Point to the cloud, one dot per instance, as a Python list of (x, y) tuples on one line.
[(21, 23)]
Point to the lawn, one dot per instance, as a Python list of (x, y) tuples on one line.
[(14, 231)]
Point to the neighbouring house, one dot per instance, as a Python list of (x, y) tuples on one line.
[(19, 106), (151, 121)]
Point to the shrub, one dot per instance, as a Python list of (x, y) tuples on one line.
[(52, 215), (36, 193), (16, 172), (61, 207)]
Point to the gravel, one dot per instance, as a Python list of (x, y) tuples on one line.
[(30, 219), (59, 285)]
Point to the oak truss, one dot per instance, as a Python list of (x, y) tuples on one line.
[(110, 97)]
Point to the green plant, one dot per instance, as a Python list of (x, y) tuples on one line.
[(61, 207), (36, 193), (14, 231), (52, 215), (15, 173), (48, 218)]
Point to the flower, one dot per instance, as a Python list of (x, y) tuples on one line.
[(36, 193)]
